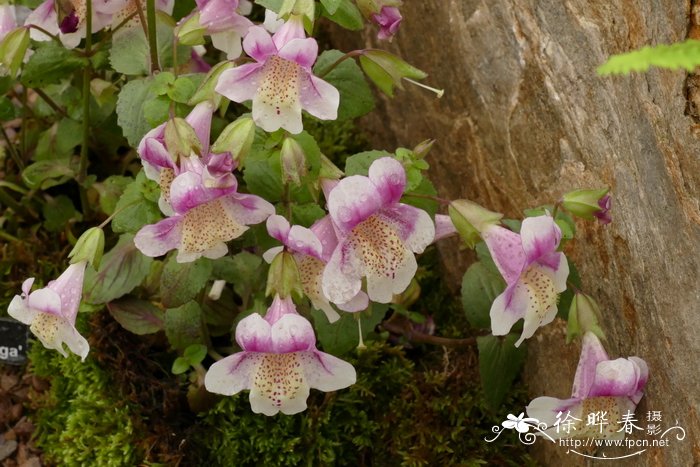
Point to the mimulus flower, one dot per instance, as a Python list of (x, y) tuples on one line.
[(600, 385), (389, 20), (11, 17), (281, 82), (603, 215), (50, 312), (377, 235), (208, 212), (224, 24), (312, 249), (535, 273), (279, 362)]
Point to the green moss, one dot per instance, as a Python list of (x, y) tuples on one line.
[(80, 420)]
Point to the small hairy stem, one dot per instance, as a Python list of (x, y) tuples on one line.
[(111, 32), (114, 214), (556, 209), (152, 34), (353, 53), (9, 238), (403, 327), (11, 148), (430, 197), (52, 36), (56, 108), (215, 355)]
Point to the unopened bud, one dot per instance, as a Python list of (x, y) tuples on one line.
[(237, 139), (329, 170), (305, 8), (387, 70), (90, 247), (283, 277), (205, 91), (588, 204), (12, 51), (423, 148), (583, 317), (470, 219), (181, 139), (190, 31), (293, 161)]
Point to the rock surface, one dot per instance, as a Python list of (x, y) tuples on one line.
[(524, 119)]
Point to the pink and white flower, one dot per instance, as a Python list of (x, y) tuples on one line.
[(377, 235), (225, 24), (208, 211), (50, 312), (535, 273), (279, 362), (311, 249), (11, 17), (281, 82), (388, 19), (600, 385)]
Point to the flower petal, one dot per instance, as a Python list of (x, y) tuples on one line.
[(301, 51), (389, 176), (291, 333), (241, 83), (352, 201), (232, 374), (540, 236), (270, 254), (414, 226), (292, 29), (69, 286), (276, 103), (359, 302), (228, 42), (46, 301), (157, 239), (391, 279), (247, 209), (20, 310), (45, 17), (319, 98), (326, 372), (592, 353), (508, 308), (72, 338), (443, 227), (278, 227), (342, 277), (200, 120), (546, 409), (304, 241), (258, 44), (253, 334), (279, 385), (617, 377), (506, 250), (325, 232)]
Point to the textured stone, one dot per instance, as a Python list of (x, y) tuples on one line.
[(524, 119)]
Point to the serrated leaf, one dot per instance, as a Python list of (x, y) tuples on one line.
[(49, 64), (122, 269), (137, 207), (130, 109), (356, 98), (137, 316), (183, 325), (480, 286), (181, 282), (682, 55), (499, 364), (57, 212), (342, 336)]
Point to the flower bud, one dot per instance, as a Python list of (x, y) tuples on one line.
[(588, 204), (583, 317), (305, 8), (329, 170), (190, 31), (423, 148), (283, 277), (12, 51), (470, 219), (90, 247), (181, 139), (293, 161), (387, 70), (205, 91), (237, 139)]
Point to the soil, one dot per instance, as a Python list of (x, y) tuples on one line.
[(16, 389)]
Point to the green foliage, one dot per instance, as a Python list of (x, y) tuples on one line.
[(481, 284), (137, 206), (183, 325), (356, 98), (341, 337), (682, 55), (181, 282), (346, 14), (137, 316), (50, 63), (80, 420), (499, 364)]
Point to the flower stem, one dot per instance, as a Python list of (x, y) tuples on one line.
[(87, 73), (430, 197), (11, 203), (556, 209), (403, 327), (353, 53), (152, 34), (56, 108), (11, 148), (114, 214), (52, 36)]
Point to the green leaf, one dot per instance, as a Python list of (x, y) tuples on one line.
[(7, 110), (130, 54), (273, 5), (136, 110), (346, 15), (568, 295), (499, 364), (48, 173), (306, 214), (342, 336), (263, 177), (183, 325), (244, 270), (57, 212), (358, 164), (184, 88), (356, 98), (181, 282), (480, 286), (331, 5), (180, 366), (59, 141), (195, 353), (110, 190), (137, 316), (426, 187), (137, 207), (121, 271), (50, 63), (682, 55)]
